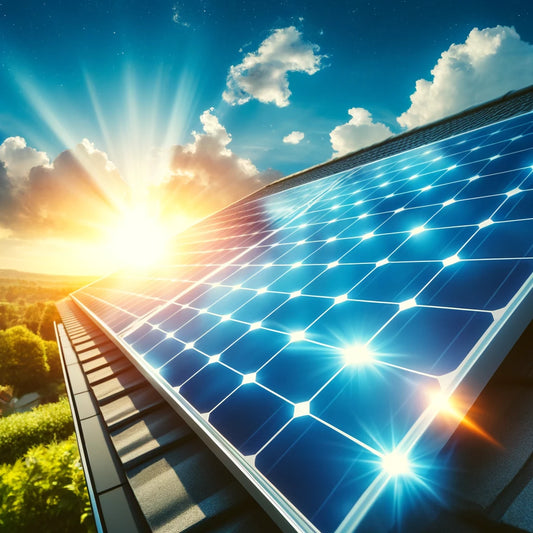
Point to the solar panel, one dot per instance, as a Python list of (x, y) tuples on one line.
[(307, 334)]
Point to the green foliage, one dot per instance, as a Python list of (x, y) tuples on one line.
[(38, 317), (45, 491), (49, 315), (54, 363), (23, 362), (44, 424)]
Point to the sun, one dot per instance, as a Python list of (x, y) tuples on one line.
[(140, 239)]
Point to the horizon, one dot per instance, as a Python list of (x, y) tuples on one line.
[(151, 120)]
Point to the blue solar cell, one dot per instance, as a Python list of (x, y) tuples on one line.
[(331, 251), (395, 282), (488, 185), (337, 280), (295, 279), (222, 335), (460, 213), (337, 470), (253, 350), (311, 325), (516, 207), (178, 319), (209, 296), (250, 417), (365, 225), (388, 401), (433, 244), (147, 341), (210, 386), (260, 307), (163, 352), (231, 302), (297, 313), (501, 240), (487, 285), (374, 249), (433, 340), (183, 366), (300, 370), (351, 322), (196, 327)]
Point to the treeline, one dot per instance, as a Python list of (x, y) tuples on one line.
[(38, 317), (31, 304)]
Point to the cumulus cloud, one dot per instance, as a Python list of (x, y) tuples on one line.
[(263, 75), (358, 132), (206, 175), (19, 158), (294, 137), (488, 64), (77, 195)]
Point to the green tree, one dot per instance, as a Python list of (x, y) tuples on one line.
[(23, 363), (54, 363), (32, 316), (9, 315), (49, 315)]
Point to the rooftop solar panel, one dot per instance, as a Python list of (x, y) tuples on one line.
[(307, 333)]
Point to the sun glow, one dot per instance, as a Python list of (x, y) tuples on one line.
[(140, 239)]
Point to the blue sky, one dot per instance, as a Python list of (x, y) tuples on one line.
[(375, 53), (136, 79)]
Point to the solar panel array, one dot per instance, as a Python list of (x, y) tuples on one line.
[(307, 330)]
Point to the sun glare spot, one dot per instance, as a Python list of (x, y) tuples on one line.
[(139, 239), (357, 355), (396, 464)]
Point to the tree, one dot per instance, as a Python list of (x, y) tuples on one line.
[(49, 315), (54, 363), (23, 363)]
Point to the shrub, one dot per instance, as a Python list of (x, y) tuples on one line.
[(44, 424), (45, 491)]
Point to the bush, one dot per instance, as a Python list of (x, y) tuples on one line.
[(45, 491), (44, 424)]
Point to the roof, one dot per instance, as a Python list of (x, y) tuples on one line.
[(147, 469)]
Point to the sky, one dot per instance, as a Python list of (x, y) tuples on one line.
[(124, 121)]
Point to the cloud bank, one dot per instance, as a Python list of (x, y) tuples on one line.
[(263, 75), (294, 137), (77, 195), (488, 64), (206, 175), (358, 132)]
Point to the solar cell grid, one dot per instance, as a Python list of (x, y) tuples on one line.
[(308, 327)]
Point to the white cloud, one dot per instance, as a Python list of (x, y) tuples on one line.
[(488, 64), (206, 175), (77, 195), (358, 132), (294, 137), (262, 75), (19, 158)]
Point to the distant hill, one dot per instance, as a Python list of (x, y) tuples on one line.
[(8, 274)]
